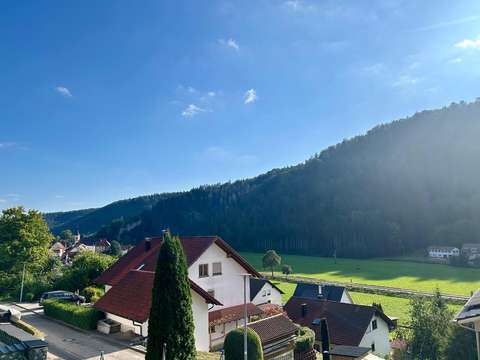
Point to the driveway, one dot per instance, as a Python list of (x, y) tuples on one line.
[(68, 343)]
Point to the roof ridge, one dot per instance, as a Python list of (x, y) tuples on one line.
[(267, 318)]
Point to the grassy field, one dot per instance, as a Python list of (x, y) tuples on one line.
[(399, 274), (392, 306)]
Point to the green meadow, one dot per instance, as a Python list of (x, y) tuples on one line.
[(392, 306), (399, 273)]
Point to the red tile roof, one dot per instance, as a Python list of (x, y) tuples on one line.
[(232, 313), (274, 328), (193, 246), (347, 322), (131, 297)]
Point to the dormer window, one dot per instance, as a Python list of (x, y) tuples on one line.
[(374, 324), (203, 270), (216, 268)]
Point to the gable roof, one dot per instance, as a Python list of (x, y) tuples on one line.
[(256, 284), (146, 254), (232, 313), (470, 310), (347, 322), (131, 297), (310, 291), (274, 328)]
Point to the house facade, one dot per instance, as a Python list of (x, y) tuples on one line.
[(442, 252), (215, 271), (263, 291), (349, 324)]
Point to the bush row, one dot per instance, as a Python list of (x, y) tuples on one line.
[(84, 317)]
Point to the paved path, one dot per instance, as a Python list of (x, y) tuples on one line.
[(67, 343), (377, 289)]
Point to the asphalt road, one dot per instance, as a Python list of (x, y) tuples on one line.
[(67, 343)]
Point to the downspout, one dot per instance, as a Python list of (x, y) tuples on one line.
[(140, 326)]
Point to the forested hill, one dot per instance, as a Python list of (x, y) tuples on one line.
[(91, 220), (400, 187)]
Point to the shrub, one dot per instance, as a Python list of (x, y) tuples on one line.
[(92, 293), (84, 317), (233, 345), (305, 339)]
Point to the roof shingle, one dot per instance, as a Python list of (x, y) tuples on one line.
[(274, 328)]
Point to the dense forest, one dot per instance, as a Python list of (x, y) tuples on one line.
[(91, 220), (400, 187)]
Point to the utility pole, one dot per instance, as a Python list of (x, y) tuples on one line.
[(245, 316), (23, 280)]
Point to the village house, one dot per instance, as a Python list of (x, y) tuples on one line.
[(469, 316), (58, 249), (277, 334), (471, 250), (349, 324), (215, 271), (323, 291), (442, 252), (263, 291)]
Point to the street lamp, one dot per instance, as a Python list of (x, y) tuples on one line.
[(246, 276)]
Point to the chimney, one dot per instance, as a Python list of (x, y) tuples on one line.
[(320, 294), (325, 339), (304, 310), (148, 244)]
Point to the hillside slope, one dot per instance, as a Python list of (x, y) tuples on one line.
[(91, 220), (400, 187)]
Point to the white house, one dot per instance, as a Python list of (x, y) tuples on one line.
[(58, 249), (349, 324), (471, 250), (262, 291), (215, 272), (443, 252)]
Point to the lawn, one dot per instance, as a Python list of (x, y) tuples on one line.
[(392, 306), (399, 274)]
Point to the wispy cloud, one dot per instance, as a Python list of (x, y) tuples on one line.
[(457, 60), (406, 80), (250, 96), (448, 23), (374, 69), (230, 43), (63, 91), (298, 5), (7, 145), (59, 197), (220, 154), (192, 110), (468, 44)]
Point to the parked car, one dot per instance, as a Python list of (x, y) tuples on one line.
[(62, 295)]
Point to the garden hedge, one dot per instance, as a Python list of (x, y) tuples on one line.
[(305, 339), (233, 345), (84, 317)]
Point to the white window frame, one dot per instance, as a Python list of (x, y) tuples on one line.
[(201, 271), (216, 273)]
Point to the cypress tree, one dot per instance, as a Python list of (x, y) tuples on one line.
[(171, 318)]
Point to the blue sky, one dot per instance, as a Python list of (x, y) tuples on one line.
[(105, 100)]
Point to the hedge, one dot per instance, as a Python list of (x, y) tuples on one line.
[(305, 339), (233, 345), (84, 317)]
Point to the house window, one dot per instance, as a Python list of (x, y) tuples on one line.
[(373, 347), (212, 329), (203, 270), (264, 293), (211, 292), (374, 324), (269, 292), (217, 268)]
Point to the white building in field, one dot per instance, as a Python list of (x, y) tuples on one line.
[(215, 272), (443, 252)]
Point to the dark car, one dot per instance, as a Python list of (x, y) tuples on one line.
[(62, 295)]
